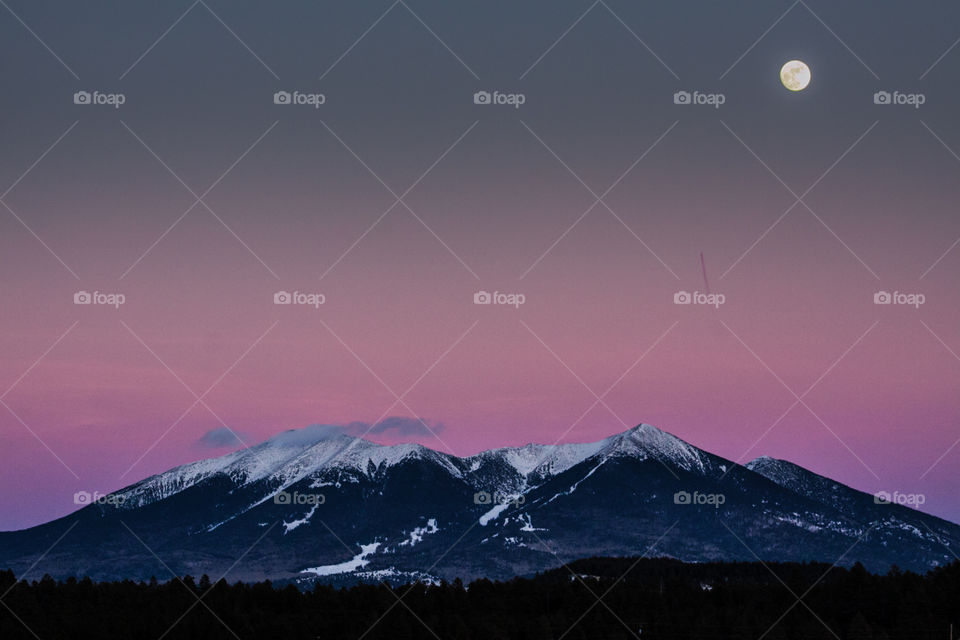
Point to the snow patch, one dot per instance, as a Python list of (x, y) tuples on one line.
[(493, 513), (290, 526), (576, 484), (527, 523), (417, 534), (358, 561)]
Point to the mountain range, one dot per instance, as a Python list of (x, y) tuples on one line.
[(317, 505)]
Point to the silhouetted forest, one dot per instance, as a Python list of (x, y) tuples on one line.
[(591, 599)]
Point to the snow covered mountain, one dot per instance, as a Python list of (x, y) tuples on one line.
[(314, 504)]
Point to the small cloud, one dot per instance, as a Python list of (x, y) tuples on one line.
[(219, 438), (399, 425), (309, 435), (396, 426)]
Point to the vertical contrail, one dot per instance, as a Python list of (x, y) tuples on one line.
[(703, 266)]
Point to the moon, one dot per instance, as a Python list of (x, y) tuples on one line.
[(795, 75)]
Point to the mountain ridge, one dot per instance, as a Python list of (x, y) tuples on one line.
[(321, 447)]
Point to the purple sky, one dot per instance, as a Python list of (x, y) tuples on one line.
[(500, 211)]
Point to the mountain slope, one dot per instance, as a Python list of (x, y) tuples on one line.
[(312, 504)]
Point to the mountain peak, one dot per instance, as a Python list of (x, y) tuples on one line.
[(645, 440), (643, 427), (642, 442), (306, 436), (285, 457)]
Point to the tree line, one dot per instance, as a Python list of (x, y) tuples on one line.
[(598, 598)]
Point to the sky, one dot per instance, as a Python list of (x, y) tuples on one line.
[(399, 198)]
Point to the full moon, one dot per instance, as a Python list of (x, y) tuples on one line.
[(795, 75)]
